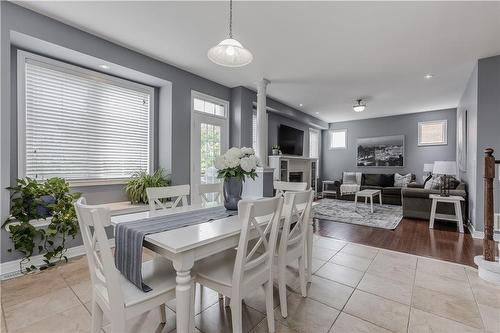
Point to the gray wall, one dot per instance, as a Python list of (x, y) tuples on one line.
[(15, 18), (481, 99), (468, 102), (334, 162), (242, 100), (488, 128)]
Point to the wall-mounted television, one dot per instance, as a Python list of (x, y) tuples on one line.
[(290, 140)]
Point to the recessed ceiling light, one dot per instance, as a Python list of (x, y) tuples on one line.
[(316, 112), (428, 76), (301, 105), (104, 66)]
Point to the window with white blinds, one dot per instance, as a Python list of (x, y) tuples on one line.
[(313, 143), (254, 129), (80, 124)]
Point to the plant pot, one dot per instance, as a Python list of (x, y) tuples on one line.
[(41, 210), (233, 187), (276, 151)]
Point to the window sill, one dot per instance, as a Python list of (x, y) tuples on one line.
[(117, 208)]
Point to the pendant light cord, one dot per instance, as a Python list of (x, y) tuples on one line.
[(231, 19)]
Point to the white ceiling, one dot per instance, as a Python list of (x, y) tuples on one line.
[(320, 54)]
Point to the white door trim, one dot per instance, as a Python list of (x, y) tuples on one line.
[(196, 119)]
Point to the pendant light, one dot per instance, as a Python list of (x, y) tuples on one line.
[(230, 52), (359, 107)]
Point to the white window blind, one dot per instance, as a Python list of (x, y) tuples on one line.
[(81, 126), (313, 143), (254, 129)]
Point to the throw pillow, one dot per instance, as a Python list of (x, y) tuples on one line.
[(371, 179), (349, 178), (433, 184), (402, 181), (387, 180)]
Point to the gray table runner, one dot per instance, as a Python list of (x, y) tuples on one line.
[(129, 237)]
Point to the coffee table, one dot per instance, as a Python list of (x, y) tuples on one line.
[(368, 194)]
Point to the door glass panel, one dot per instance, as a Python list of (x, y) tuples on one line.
[(210, 144)]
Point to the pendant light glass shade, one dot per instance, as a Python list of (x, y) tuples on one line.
[(230, 53)]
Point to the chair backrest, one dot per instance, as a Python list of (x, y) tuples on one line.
[(260, 217), (155, 194), (204, 191), (296, 209), (103, 273), (282, 187)]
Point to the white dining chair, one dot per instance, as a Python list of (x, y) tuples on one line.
[(112, 294), (156, 194), (204, 190), (282, 187), (292, 242), (235, 274)]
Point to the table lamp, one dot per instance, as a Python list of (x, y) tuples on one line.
[(446, 169)]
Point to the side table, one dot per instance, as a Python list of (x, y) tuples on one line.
[(453, 199)]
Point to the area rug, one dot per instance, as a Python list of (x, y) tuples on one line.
[(385, 216)]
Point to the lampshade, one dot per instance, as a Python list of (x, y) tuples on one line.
[(445, 168), (428, 167), (230, 53)]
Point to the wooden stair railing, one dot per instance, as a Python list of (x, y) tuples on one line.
[(489, 246)]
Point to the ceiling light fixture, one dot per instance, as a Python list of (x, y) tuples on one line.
[(428, 76), (104, 66), (230, 52), (316, 112), (301, 105), (360, 107)]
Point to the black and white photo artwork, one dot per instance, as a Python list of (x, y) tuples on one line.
[(382, 151)]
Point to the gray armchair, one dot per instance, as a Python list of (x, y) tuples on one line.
[(416, 202)]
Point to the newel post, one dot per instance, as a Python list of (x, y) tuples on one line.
[(489, 175)]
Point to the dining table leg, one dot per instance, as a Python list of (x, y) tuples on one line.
[(309, 247), (184, 293)]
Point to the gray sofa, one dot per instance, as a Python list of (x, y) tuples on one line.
[(417, 205), (391, 195)]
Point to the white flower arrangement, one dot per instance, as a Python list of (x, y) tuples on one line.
[(237, 162)]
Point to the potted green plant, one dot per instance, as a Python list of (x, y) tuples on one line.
[(51, 200), (276, 150), (136, 186)]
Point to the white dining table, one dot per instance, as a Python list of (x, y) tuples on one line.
[(184, 246)]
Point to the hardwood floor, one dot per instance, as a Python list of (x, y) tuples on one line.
[(411, 236)]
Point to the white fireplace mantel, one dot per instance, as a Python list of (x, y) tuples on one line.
[(286, 165)]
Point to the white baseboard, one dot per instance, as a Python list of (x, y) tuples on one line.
[(480, 234), (10, 269)]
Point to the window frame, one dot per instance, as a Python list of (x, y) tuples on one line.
[(22, 58), (330, 138), (318, 134), (444, 128), (211, 99)]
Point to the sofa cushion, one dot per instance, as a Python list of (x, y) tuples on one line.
[(391, 190), (371, 179), (369, 187)]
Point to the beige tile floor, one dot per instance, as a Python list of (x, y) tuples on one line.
[(355, 288)]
